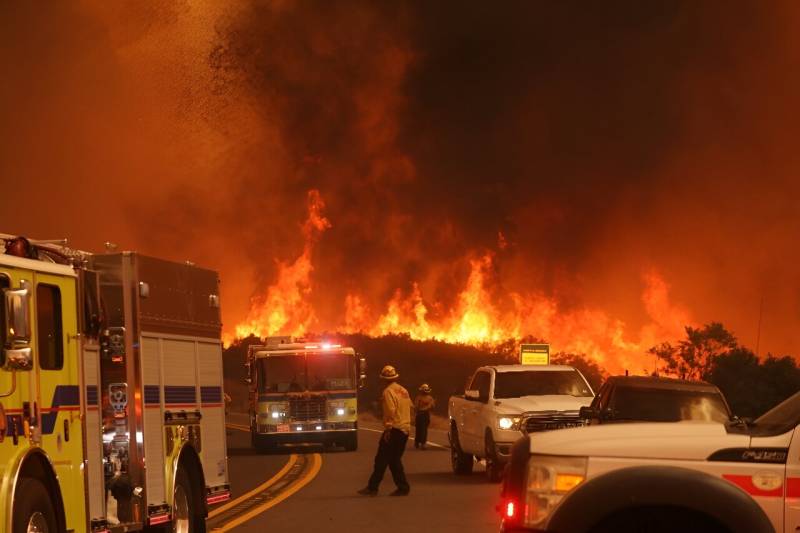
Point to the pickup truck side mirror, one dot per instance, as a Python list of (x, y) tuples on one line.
[(472, 395), (587, 412)]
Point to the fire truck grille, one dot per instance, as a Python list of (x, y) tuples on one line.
[(307, 408), (547, 421)]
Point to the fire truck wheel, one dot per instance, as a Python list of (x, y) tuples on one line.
[(33, 510), (351, 443), (184, 505)]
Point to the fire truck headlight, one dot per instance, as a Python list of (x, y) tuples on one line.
[(550, 478), (278, 410), (336, 408)]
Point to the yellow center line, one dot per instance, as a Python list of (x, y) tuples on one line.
[(274, 479), (271, 481), (297, 485)]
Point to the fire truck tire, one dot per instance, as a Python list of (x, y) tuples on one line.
[(186, 514), (351, 442), (33, 509), (262, 444), (461, 462)]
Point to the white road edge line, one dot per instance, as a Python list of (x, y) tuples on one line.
[(429, 442)]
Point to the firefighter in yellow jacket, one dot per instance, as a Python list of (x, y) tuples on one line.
[(397, 424)]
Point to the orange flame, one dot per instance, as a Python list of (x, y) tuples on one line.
[(285, 308), (475, 319), (477, 316)]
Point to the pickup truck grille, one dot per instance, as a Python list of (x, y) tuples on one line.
[(546, 421), (312, 408)]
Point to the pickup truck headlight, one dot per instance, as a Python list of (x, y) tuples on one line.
[(550, 478), (509, 422)]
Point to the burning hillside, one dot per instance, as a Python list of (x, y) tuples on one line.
[(480, 312)]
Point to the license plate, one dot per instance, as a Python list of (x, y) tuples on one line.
[(283, 428), (562, 425)]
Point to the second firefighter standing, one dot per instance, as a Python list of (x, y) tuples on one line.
[(423, 404)]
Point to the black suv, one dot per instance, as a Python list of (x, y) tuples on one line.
[(656, 399)]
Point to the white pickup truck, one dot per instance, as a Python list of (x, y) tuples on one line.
[(502, 403), (684, 476)]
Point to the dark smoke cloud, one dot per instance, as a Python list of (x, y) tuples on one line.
[(602, 140)]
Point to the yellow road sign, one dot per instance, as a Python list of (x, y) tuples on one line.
[(534, 354)]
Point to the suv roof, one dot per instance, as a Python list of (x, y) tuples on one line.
[(653, 382)]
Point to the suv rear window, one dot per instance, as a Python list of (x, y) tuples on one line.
[(668, 405)]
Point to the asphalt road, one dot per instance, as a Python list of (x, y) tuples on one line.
[(439, 500)]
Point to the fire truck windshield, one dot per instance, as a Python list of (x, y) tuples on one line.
[(285, 373), (328, 371), (300, 373)]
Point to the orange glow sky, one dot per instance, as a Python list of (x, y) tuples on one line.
[(599, 177)]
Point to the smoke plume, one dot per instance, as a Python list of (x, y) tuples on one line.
[(595, 175)]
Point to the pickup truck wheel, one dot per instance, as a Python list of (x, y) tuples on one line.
[(461, 462), (494, 470)]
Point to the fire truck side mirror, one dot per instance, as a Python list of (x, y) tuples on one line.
[(247, 369), (362, 373), (17, 352), (18, 359)]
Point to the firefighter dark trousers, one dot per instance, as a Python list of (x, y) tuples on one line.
[(389, 454), (422, 422)]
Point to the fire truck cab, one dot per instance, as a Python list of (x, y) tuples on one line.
[(111, 401), (303, 392)]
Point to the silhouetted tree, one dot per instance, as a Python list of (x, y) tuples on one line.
[(752, 386), (694, 357)]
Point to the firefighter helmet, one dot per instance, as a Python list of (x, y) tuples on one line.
[(425, 388), (389, 373)]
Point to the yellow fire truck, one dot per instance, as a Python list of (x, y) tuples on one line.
[(111, 400), (303, 392)]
